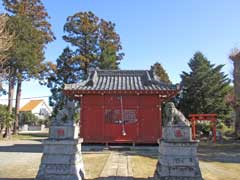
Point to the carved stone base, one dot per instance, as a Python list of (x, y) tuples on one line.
[(177, 155), (64, 132), (61, 160), (177, 133)]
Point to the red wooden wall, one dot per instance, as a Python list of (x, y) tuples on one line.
[(99, 114)]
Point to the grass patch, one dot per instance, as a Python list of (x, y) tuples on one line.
[(219, 170), (94, 164), (26, 136), (143, 167)]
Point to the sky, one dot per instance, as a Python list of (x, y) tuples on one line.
[(167, 31)]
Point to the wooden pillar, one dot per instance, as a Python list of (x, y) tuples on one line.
[(214, 130), (160, 115), (80, 123), (193, 128)]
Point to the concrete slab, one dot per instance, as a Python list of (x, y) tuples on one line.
[(117, 166)]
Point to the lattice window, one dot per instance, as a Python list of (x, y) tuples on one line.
[(114, 116)]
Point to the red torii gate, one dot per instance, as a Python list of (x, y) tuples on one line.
[(203, 117)]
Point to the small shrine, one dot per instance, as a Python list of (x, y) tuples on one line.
[(121, 106)]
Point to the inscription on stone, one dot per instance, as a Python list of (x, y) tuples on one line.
[(58, 168), (178, 133), (179, 160), (60, 132)]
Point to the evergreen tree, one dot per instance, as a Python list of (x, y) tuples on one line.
[(82, 32), (32, 14), (26, 55), (204, 88), (96, 44), (160, 72), (35, 11), (64, 72), (109, 45)]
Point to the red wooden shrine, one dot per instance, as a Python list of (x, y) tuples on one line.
[(121, 106), (203, 117)]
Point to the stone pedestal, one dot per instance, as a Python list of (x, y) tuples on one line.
[(62, 158), (177, 155)]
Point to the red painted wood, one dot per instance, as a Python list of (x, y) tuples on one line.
[(113, 131), (92, 124), (150, 126), (95, 127)]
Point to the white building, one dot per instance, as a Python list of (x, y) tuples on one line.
[(38, 108)]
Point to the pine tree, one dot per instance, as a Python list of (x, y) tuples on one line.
[(82, 32), (26, 55), (96, 42), (160, 72), (109, 45), (32, 12), (235, 57), (64, 72), (35, 11), (204, 88)]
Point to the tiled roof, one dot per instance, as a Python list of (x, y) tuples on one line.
[(31, 105), (99, 80)]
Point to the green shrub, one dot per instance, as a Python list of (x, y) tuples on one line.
[(6, 119), (29, 118)]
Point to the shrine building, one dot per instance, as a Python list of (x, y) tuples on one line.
[(121, 106)]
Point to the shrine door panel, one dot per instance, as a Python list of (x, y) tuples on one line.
[(150, 126), (120, 118), (92, 124)]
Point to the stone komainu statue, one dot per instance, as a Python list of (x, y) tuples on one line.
[(174, 116), (65, 115)]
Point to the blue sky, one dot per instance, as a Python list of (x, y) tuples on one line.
[(168, 31)]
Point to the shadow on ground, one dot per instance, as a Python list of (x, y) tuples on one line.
[(120, 178), (225, 153), (228, 152), (150, 151), (36, 135), (103, 178), (24, 148), (16, 179)]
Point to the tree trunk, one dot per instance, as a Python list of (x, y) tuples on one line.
[(11, 93), (1, 129), (7, 133), (236, 76), (11, 86), (17, 106)]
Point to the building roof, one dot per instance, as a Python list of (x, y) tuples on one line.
[(121, 80), (31, 105)]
